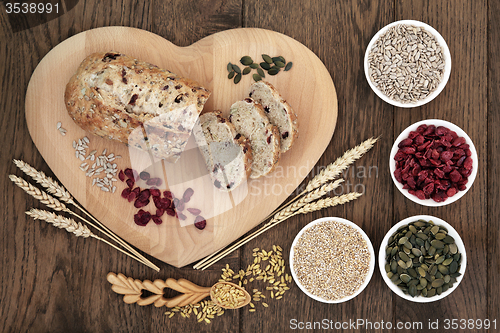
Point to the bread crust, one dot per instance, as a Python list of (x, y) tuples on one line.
[(204, 140), (289, 132), (120, 98)]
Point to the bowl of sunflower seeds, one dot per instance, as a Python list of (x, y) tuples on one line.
[(407, 63)]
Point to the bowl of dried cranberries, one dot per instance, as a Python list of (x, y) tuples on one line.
[(433, 162)]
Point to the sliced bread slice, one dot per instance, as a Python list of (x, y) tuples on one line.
[(227, 154), (251, 121), (278, 111)]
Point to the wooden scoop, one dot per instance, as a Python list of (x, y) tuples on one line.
[(190, 293)]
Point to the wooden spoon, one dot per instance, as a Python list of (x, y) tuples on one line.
[(233, 286), (190, 293)]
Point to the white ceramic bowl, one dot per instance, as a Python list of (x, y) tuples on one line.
[(451, 231), (368, 275), (452, 127), (445, 51)]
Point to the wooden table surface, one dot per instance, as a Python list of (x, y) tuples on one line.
[(51, 281)]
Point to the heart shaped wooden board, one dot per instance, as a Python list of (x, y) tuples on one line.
[(307, 87)]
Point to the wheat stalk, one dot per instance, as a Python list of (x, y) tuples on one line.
[(51, 185), (56, 205), (334, 169), (70, 225), (59, 191), (311, 196), (307, 208)]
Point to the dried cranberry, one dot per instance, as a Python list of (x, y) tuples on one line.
[(144, 175), (408, 150), (441, 130), (154, 182), (455, 176), (194, 211), (419, 140), (446, 156), (142, 218), (458, 141), (141, 203), (126, 192), (155, 192), (130, 173), (181, 216), (187, 194), (165, 203), (421, 129), (429, 131), (156, 219), (420, 194), (200, 222), (131, 197), (168, 194), (180, 205), (130, 183), (157, 202), (461, 160), (160, 212), (170, 211), (121, 175), (468, 163), (405, 143), (144, 195), (451, 192)]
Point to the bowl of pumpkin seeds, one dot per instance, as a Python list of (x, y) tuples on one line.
[(422, 259), (407, 63)]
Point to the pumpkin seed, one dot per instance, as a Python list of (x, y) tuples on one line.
[(437, 244), (403, 256), (412, 291), (261, 72), (267, 58), (448, 240), (237, 78), (435, 229), (437, 283), (230, 75), (440, 236), (405, 278), (236, 69), (448, 261), (246, 70), (288, 66), (257, 77), (439, 260), (453, 267), (229, 67), (279, 64), (422, 259), (246, 60), (265, 65), (273, 71), (254, 65)]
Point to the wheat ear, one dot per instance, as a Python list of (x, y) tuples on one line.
[(59, 191), (310, 207), (334, 169), (70, 225), (56, 205)]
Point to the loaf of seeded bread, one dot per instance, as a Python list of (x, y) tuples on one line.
[(250, 120), (278, 111), (227, 154), (117, 97)]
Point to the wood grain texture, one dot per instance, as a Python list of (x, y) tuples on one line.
[(493, 143), (462, 102), (179, 242), (336, 32), (44, 284)]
